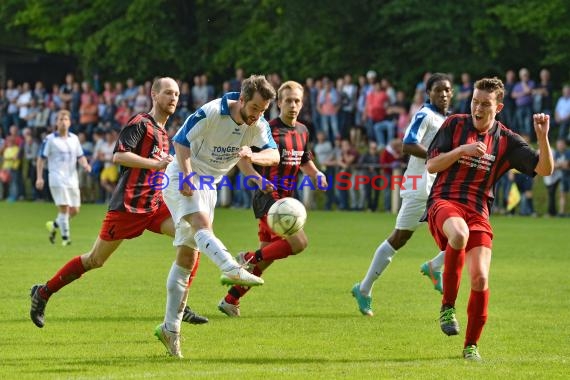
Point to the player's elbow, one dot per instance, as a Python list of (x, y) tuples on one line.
[(544, 171), (430, 167), (117, 159), (274, 157)]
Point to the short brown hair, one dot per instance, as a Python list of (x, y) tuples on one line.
[(64, 113), (257, 83), (492, 85), (289, 85), (157, 84)]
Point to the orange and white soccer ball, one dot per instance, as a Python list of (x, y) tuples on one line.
[(286, 216)]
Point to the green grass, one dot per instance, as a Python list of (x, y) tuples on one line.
[(302, 324)]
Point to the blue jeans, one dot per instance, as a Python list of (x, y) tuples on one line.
[(388, 126), (524, 120), (329, 124)]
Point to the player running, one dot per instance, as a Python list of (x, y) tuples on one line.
[(135, 206), (414, 192), (292, 139), (63, 151)]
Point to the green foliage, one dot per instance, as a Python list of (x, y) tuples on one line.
[(302, 324), (400, 39)]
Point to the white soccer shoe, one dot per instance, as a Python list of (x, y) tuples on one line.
[(240, 276), (170, 340), (228, 309)]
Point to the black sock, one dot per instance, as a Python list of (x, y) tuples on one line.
[(258, 256)]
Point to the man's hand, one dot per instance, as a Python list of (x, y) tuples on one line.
[(321, 181), (476, 149), (163, 162), (186, 190), (40, 183), (245, 152), (264, 185), (541, 124)]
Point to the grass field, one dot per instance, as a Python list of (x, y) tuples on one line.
[(302, 324)]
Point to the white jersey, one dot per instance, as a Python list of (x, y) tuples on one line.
[(422, 129), (62, 154), (215, 139)]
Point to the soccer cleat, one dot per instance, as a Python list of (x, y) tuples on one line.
[(471, 353), (171, 340), (65, 242), (38, 306), (240, 276), (434, 276), (241, 260), (193, 318), (364, 302), (447, 321), (228, 309), (52, 229)]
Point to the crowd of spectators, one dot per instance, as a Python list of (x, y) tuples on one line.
[(356, 126)]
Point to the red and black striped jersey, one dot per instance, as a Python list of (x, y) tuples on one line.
[(134, 193), (293, 146), (471, 180)]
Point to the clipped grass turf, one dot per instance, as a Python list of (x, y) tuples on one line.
[(302, 324)]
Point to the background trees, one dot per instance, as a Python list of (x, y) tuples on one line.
[(297, 38)]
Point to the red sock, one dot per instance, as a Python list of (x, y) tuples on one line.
[(68, 273), (476, 315), (238, 291), (454, 260), (194, 270), (279, 249)]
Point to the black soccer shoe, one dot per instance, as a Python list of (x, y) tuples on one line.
[(193, 318)]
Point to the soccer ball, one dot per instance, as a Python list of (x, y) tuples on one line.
[(286, 217)]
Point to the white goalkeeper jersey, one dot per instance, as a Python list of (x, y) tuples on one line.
[(215, 139), (62, 154)]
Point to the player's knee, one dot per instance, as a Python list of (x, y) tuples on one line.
[(73, 211), (184, 234), (399, 238), (91, 261), (459, 238), (298, 244), (479, 282)]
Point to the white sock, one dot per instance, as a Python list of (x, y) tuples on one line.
[(210, 245), (437, 262), (175, 292), (62, 221), (382, 257)]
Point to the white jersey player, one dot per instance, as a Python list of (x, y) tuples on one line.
[(63, 151), (415, 190), (212, 141)]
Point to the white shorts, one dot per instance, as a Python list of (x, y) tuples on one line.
[(203, 201), (410, 213), (65, 196)]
